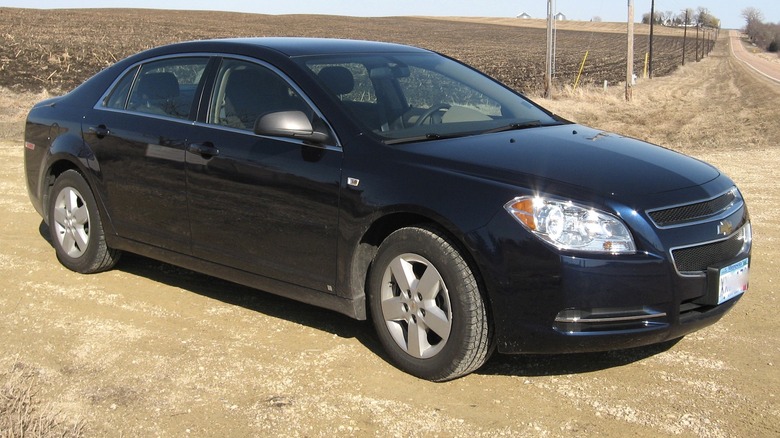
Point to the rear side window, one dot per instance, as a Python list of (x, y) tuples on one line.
[(165, 87)]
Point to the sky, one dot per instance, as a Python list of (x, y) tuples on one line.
[(728, 11)]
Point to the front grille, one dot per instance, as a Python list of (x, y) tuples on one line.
[(693, 212), (696, 259)]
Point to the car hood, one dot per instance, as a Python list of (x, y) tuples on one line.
[(574, 155)]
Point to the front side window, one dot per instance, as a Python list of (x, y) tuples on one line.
[(245, 91), (425, 88), (351, 82), (164, 87), (406, 97)]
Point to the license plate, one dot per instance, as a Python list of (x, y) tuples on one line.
[(733, 281)]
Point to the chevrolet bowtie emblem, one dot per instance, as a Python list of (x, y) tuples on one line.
[(725, 228)]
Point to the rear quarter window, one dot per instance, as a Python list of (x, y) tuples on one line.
[(117, 99)]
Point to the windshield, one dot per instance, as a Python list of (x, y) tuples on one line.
[(406, 97)]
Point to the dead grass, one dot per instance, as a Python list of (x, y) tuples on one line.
[(13, 110), (704, 106), (715, 110), (23, 415)]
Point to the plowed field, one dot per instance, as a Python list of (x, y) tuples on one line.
[(58, 49)]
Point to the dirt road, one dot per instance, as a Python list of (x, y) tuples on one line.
[(765, 64), (148, 349)]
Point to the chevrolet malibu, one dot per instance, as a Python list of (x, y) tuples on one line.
[(393, 184)]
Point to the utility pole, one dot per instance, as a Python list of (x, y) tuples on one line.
[(652, 23), (630, 55), (548, 60), (685, 34)]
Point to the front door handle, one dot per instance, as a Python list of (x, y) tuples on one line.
[(205, 149), (100, 131)]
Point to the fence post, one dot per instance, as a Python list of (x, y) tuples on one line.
[(582, 66)]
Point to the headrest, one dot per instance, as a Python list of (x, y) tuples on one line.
[(338, 79), (158, 86)]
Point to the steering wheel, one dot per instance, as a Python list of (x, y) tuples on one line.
[(430, 112)]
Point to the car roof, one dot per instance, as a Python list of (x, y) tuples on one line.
[(285, 47), (296, 46)]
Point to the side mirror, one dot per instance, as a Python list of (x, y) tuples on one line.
[(290, 124)]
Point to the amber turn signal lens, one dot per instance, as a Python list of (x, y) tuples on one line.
[(523, 210)]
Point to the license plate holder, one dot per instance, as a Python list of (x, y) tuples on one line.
[(726, 282)]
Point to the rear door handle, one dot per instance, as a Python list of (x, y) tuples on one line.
[(205, 149)]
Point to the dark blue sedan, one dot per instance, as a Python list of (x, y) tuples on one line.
[(388, 183)]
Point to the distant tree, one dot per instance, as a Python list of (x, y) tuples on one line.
[(688, 16), (700, 17), (657, 20), (764, 35), (705, 19), (596, 19), (752, 14), (684, 18), (753, 22), (773, 37)]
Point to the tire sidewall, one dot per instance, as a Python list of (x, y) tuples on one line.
[(422, 242)]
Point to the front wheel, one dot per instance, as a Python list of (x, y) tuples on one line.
[(75, 228), (426, 306)]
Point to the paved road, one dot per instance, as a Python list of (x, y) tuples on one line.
[(768, 68)]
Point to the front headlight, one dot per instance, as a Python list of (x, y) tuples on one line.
[(570, 226)]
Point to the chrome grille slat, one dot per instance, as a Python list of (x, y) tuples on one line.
[(683, 214)]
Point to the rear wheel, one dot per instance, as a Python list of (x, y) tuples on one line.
[(75, 227), (426, 306)]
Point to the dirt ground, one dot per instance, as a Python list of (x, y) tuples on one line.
[(148, 349)]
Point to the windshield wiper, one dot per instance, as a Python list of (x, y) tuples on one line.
[(515, 126), (424, 137), (433, 136)]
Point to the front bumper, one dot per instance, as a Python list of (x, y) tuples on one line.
[(545, 301), (596, 306)]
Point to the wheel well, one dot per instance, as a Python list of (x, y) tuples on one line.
[(386, 225), (378, 232), (55, 170)]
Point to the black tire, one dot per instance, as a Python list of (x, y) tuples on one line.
[(443, 306), (75, 227)]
